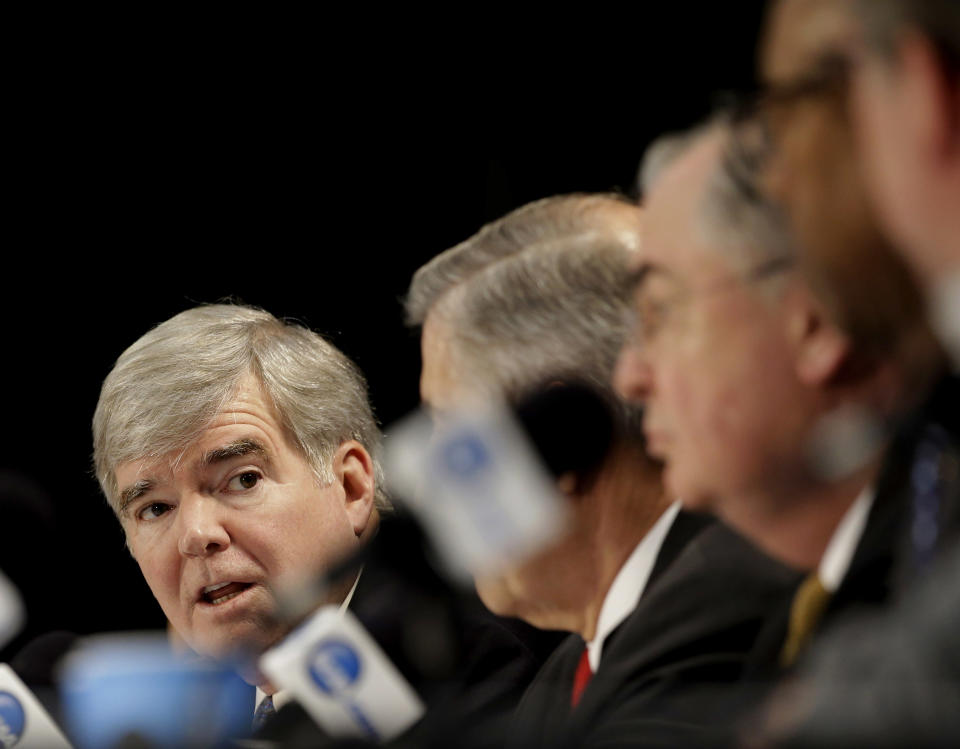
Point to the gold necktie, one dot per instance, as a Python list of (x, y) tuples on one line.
[(808, 606)]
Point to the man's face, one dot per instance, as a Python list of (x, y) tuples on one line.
[(215, 528), (882, 117), (904, 113), (709, 359)]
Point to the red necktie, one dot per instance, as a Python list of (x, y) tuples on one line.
[(581, 678)]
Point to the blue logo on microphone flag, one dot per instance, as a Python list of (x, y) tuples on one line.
[(465, 456), (334, 665), (12, 720)]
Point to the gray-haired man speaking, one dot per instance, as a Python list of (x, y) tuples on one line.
[(237, 451)]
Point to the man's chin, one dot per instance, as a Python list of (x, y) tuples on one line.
[(495, 595), (692, 495), (238, 645)]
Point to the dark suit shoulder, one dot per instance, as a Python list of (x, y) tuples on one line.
[(685, 527), (689, 636), (711, 603)]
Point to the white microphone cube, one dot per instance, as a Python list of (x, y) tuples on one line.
[(341, 677)]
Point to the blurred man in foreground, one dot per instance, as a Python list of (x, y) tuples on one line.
[(661, 603), (750, 388), (906, 105), (890, 679)]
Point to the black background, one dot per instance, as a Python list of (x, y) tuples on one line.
[(308, 167)]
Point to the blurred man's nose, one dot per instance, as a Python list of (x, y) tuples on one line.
[(201, 526), (632, 375)]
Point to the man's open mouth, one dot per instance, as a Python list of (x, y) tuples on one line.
[(222, 592)]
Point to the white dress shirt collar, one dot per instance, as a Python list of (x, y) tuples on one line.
[(843, 543), (944, 314), (629, 584)]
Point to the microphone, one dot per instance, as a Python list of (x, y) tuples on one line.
[(36, 664), (27, 516), (483, 480), (11, 611), (561, 429), (23, 720), (132, 690), (342, 678)]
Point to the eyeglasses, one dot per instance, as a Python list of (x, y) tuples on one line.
[(749, 114), (830, 73), (655, 313)]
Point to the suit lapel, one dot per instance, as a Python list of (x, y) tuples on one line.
[(686, 526)]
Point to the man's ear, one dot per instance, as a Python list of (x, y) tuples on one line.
[(820, 348), (353, 469), (932, 96)]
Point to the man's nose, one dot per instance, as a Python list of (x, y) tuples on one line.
[(632, 377), (201, 527)]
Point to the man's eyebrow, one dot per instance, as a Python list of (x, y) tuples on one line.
[(132, 493), (233, 450)]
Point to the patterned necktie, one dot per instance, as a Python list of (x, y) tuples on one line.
[(808, 606), (581, 678), (263, 713), (934, 464)]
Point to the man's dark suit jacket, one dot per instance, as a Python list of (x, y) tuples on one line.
[(709, 595), (884, 563), (890, 629)]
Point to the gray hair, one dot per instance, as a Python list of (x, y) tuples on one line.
[(661, 153), (542, 294), (737, 210), (885, 20), (539, 222), (167, 387)]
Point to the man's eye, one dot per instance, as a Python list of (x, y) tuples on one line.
[(153, 511), (243, 481), (651, 313)]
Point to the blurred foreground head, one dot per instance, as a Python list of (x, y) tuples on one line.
[(905, 72), (540, 297), (746, 368), (237, 451), (799, 144)]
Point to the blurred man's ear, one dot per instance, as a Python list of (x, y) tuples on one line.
[(353, 468), (820, 347), (932, 96)]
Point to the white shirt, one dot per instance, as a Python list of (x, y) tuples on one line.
[(944, 314), (629, 584), (839, 552), (282, 697)]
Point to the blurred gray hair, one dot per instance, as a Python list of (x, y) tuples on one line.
[(167, 387), (737, 210), (885, 20), (661, 153), (542, 294), (539, 222)]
